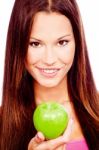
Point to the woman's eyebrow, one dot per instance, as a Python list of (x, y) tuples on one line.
[(67, 35), (33, 38)]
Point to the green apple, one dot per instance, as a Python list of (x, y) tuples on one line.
[(51, 119)]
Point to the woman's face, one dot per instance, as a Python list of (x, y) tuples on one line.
[(51, 49)]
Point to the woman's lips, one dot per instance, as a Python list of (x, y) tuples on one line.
[(48, 72)]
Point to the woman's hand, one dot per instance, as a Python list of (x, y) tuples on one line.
[(39, 142)]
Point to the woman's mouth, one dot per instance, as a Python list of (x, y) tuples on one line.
[(48, 72)]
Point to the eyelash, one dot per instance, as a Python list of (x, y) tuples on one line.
[(63, 42), (37, 44), (34, 44)]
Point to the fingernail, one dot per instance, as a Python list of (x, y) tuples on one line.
[(72, 120), (38, 135), (72, 123)]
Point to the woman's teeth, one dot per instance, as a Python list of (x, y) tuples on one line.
[(49, 70)]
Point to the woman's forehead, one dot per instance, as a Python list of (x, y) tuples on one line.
[(54, 24)]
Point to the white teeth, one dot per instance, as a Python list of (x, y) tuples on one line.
[(49, 71)]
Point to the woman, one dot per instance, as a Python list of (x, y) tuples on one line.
[(46, 59)]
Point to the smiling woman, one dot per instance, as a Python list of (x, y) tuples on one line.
[(45, 62), (51, 50), (91, 25)]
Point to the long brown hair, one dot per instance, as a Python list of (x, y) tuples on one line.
[(16, 126)]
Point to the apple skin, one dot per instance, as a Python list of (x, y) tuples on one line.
[(51, 119)]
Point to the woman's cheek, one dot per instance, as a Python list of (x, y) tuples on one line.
[(33, 56), (67, 56)]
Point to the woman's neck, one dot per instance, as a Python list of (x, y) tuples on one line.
[(44, 94)]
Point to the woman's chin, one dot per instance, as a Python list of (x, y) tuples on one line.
[(50, 84)]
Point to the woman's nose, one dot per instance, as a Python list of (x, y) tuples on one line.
[(49, 57)]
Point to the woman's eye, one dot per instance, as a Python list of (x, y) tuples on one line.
[(62, 42), (35, 44)]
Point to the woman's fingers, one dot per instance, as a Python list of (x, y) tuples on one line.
[(39, 143), (39, 137), (69, 130), (55, 143), (62, 147)]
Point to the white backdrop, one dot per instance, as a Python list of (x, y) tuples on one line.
[(89, 11)]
